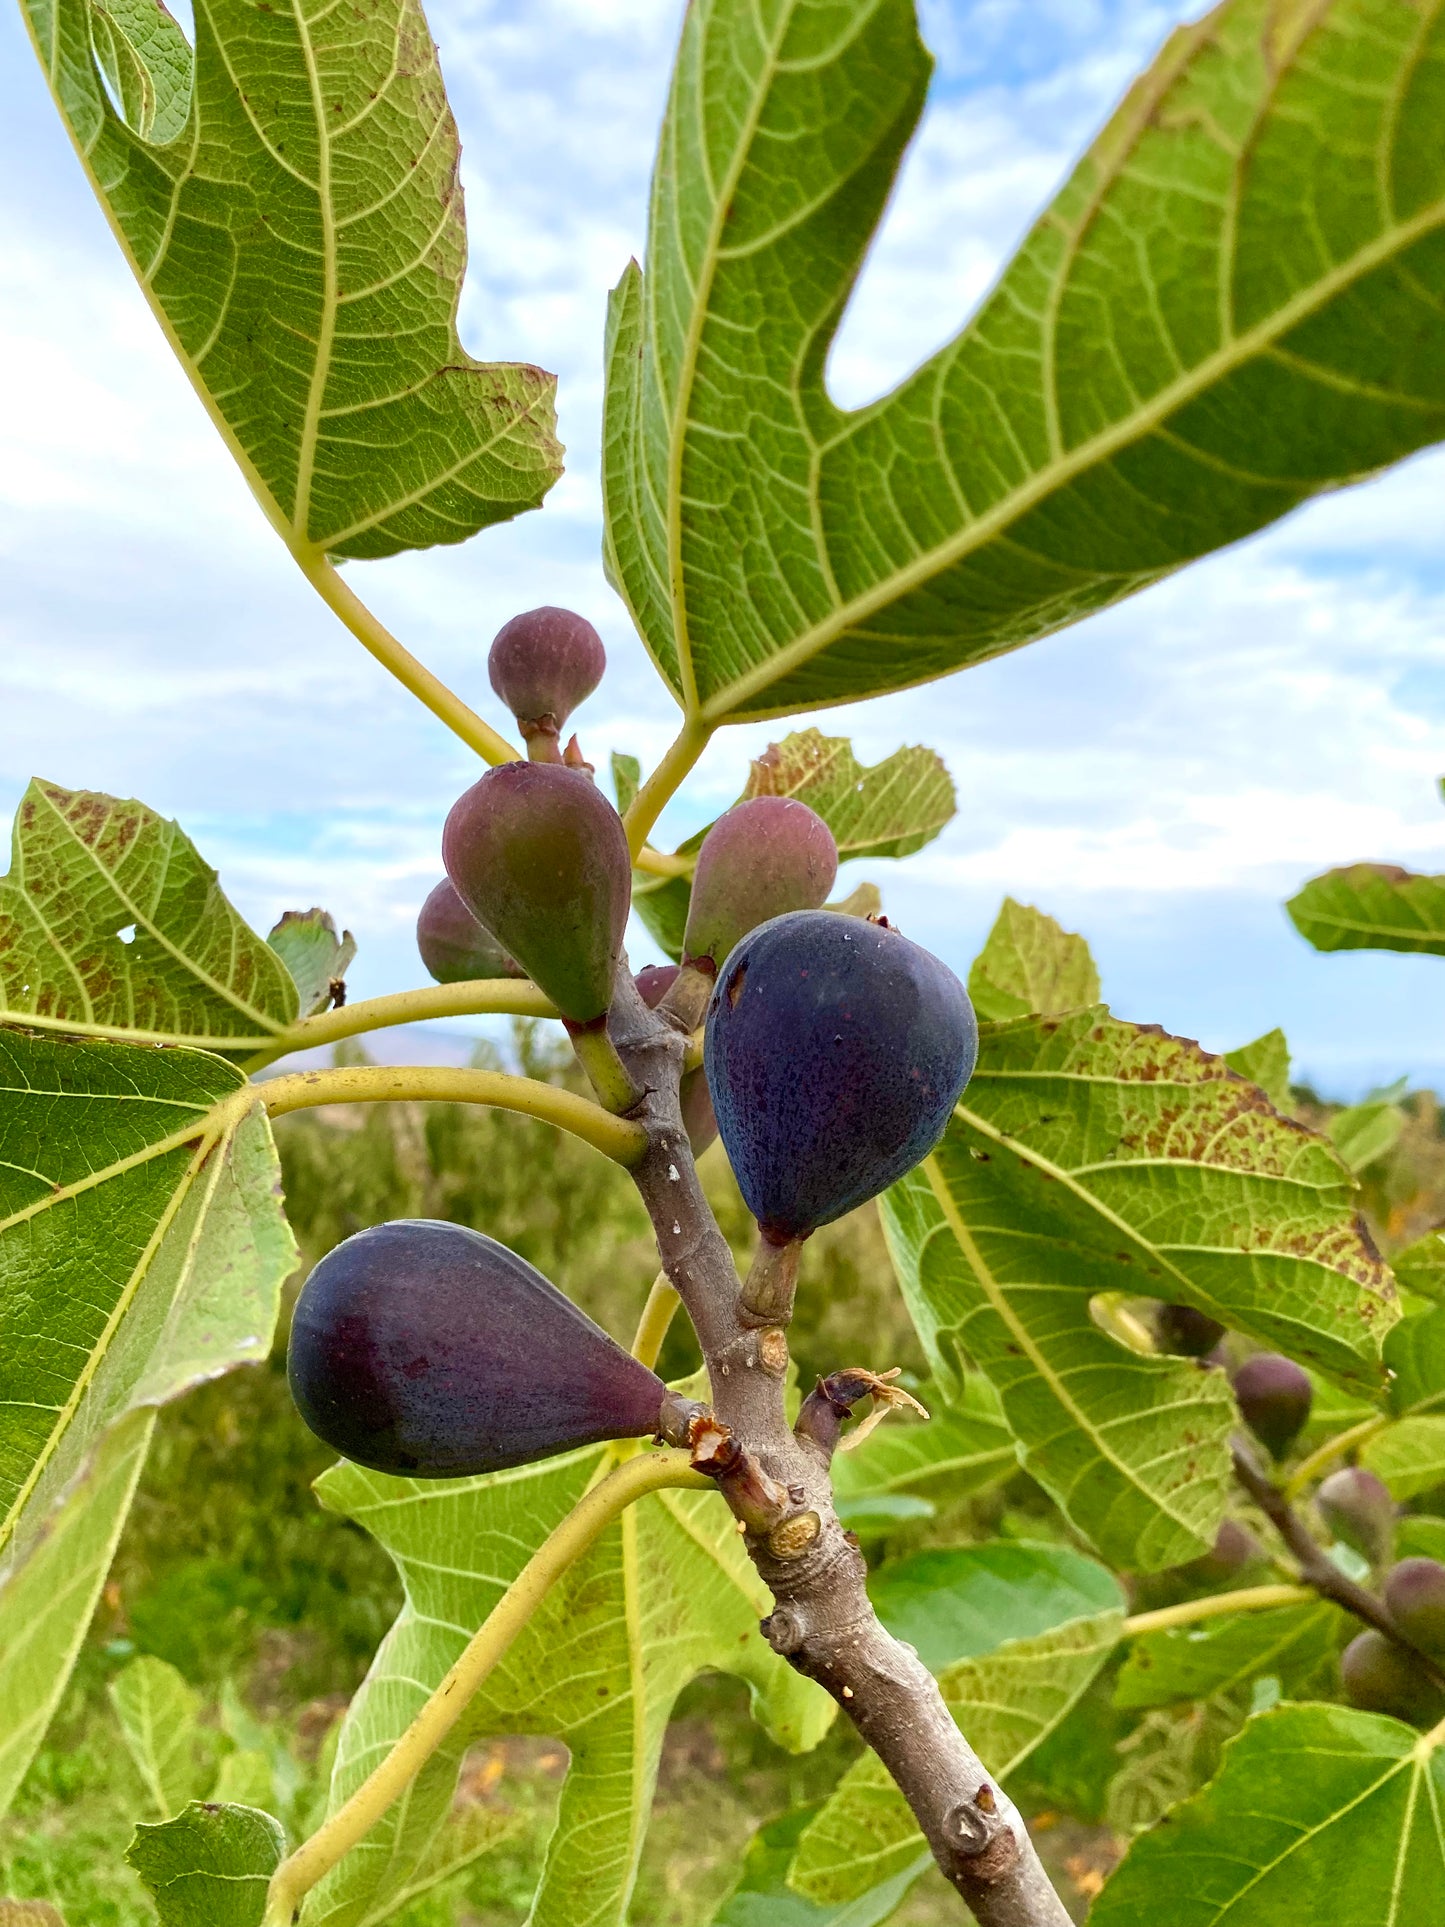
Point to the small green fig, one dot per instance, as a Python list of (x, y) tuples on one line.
[(1381, 1677), (759, 860), (543, 665), (1358, 1509), (1415, 1597), (1274, 1396), (539, 856), (453, 945)]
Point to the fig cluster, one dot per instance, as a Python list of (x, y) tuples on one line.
[(1383, 1676)]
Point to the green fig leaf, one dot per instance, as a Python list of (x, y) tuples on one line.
[(142, 1251), (1090, 1156), (666, 1593), (1415, 1356), (1319, 1813), (626, 780), (112, 925), (1211, 323), (1409, 1456), (890, 809), (318, 960), (157, 1712), (1365, 1133), (1420, 1267), (210, 1866), (762, 1897), (1294, 1644), (1265, 1062), (290, 203), (1007, 1697), (1030, 963), (1372, 906)]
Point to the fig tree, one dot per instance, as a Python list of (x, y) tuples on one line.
[(835, 1052), (453, 945), (1274, 1396), (430, 1350), (759, 860), (543, 665), (539, 857), (654, 981), (1358, 1509), (1381, 1677), (1415, 1596)]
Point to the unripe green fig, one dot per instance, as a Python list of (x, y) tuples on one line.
[(427, 1349), (1381, 1677), (1274, 1396), (543, 664), (759, 860), (453, 945), (1358, 1509), (1415, 1598), (539, 857), (1185, 1332)]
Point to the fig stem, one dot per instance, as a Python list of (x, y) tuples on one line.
[(1309, 1469), (1248, 1599), (597, 1055), (477, 997), (690, 742), (657, 1315), (766, 1294), (375, 637), (617, 1139), (563, 1547)]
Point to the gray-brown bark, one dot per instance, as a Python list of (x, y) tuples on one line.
[(823, 1622)]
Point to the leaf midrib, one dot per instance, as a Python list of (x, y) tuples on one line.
[(1047, 480)]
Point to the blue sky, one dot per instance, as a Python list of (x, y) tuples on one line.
[(1160, 777)]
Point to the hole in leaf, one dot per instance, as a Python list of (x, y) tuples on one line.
[(126, 933)]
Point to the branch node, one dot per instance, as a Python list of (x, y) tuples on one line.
[(793, 1537)]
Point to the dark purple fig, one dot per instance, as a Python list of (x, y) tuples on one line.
[(543, 664), (759, 860), (539, 856), (430, 1350), (1185, 1332), (835, 1053), (1358, 1509), (1274, 1397), (1415, 1596), (453, 945), (654, 981), (1381, 1677)]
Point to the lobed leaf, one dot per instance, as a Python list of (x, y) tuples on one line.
[(317, 959), (157, 1713), (1319, 1814), (1007, 1697), (1234, 303), (890, 809), (1030, 963), (665, 1593), (300, 237), (142, 1251), (112, 925), (210, 1866), (1372, 906), (1290, 1643), (1087, 1157)]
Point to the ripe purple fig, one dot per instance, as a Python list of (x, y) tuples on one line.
[(429, 1350), (1358, 1509), (1185, 1332), (453, 945), (542, 665), (1415, 1596), (759, 860), (835, 1053), (539, 857), (1381, 1677), (1274, 1396)]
